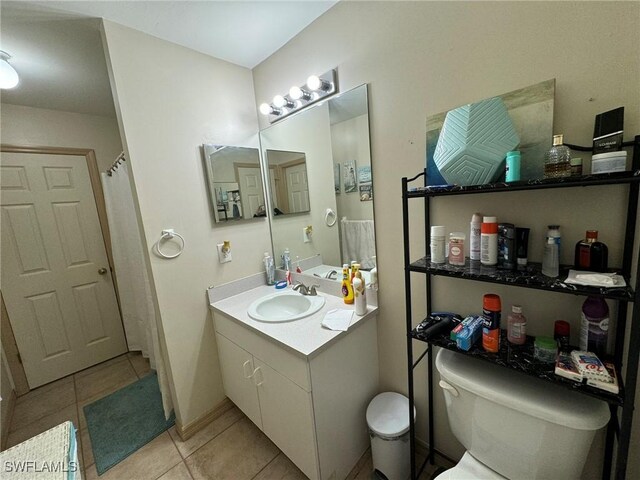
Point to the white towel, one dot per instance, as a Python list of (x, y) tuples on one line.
[(337, 319), (358, 242)]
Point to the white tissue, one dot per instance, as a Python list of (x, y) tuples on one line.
[(337, 319), (607, 280)]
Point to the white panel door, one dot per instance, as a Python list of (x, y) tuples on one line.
[(251, 195), (287, 417), (63, 312), (297, 188), (236, 365)]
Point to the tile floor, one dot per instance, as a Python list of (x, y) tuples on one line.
[(231, 447)]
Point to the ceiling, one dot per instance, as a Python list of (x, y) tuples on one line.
[(57, 50)]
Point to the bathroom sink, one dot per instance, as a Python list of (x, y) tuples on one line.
[(284, 307)]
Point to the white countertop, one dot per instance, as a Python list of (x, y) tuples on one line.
[(305, 336)]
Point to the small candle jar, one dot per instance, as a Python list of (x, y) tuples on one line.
[(456, 248)]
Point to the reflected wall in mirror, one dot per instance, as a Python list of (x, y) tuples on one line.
[(234, 181), (334, 136), (288, 189)]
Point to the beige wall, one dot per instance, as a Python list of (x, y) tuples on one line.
[(170, 100), (28, 126), (307, 132), (350, 141), (421, 58), (6, 392)]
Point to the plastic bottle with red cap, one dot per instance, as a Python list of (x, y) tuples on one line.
[(491, 311)]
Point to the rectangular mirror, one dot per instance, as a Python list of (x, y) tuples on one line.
[(289, 189), (234, 180), (332, 138)]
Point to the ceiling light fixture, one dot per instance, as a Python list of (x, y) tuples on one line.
[(8, 75), (317, 88)]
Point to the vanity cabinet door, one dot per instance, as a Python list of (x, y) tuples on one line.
[(287, 417), (237, 368)]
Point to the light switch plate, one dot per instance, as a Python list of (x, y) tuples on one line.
[(222, 256), (306, 238)]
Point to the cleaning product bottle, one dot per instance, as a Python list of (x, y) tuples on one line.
[(516, 326), (594, 325), (347, 287), (269, 268), (359, 294), (491, 309)]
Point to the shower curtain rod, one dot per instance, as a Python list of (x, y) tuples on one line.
[(114, 165)]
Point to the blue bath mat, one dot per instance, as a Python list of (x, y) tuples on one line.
[(121, 423)]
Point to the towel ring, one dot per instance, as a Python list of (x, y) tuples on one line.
[(168, 234), (330, 217)]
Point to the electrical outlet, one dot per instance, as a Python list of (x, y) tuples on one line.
[(223, 256), (306, 238)]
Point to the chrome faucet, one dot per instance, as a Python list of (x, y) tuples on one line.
[(304, 290)]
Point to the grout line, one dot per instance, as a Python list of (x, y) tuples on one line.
[(174, 442), (216, 436), (269, 463), (188, 469), (170, 468)]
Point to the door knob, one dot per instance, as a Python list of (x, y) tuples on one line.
[(102, 271)]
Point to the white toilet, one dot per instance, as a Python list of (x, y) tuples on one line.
[(514, 426)]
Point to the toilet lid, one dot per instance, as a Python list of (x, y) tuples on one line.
[(388, 414), (468, 468)]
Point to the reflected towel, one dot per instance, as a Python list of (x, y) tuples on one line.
[(358, 242)]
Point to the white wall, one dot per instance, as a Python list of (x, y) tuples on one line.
[(28, 126), (422, 58), (170, 100)]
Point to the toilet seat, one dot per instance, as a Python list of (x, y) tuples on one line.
[(469, 468)]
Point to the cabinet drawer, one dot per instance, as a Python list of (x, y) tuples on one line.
[(292, 366)]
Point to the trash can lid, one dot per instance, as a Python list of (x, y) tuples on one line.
[(388, 414)]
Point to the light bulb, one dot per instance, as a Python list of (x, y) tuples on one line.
[(314, 82), (279, 101), (8, 75), (265, 109), (297, 93)]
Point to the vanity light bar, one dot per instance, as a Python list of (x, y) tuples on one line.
[(318, 87)]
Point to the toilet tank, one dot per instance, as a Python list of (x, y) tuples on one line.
[(519, 426)]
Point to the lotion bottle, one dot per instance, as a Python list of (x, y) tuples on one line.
[(359, 294)]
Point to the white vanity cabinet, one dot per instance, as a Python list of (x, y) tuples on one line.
[(311, 406)]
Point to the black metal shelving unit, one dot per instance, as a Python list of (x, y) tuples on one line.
[(621, 405)]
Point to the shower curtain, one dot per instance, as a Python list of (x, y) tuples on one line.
[(134, 288)]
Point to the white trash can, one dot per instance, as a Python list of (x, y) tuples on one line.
[(388, 421)]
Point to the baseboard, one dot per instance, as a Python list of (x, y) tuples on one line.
[(187, 431), (11, 401)]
